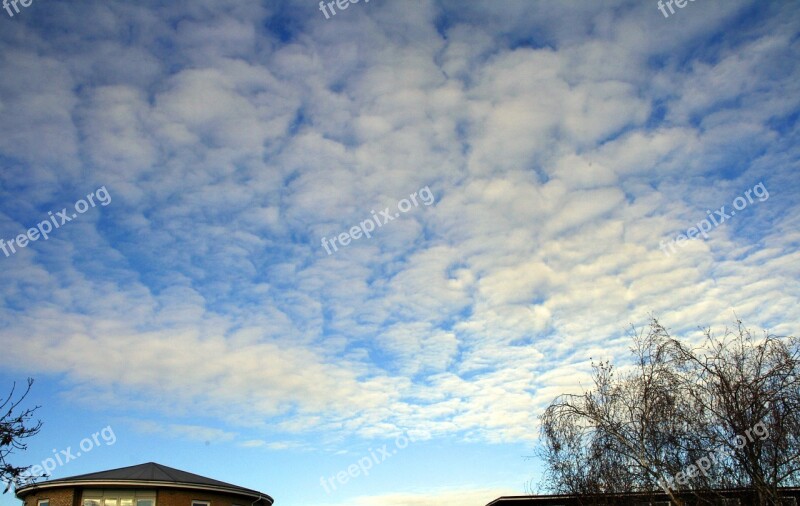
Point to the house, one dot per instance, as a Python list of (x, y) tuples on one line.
[(727, 497), (148, 484)]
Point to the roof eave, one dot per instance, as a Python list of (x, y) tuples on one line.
[(27, 489)]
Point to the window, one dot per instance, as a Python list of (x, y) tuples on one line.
[(109, 497), (44, 502), (201, 503)]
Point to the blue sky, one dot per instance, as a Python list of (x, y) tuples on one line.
[(192, 306)]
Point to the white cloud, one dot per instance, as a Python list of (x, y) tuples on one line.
[(439, 497), (562, 144), (196, 433)]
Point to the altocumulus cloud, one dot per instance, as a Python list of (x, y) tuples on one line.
[(563, 142)]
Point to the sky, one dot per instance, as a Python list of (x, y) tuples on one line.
[(273, 242)]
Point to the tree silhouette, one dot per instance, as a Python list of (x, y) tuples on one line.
[(683, 419), (15, 427)]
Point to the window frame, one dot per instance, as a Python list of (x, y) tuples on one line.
[(119, 495)]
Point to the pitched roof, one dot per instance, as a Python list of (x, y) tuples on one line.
[(149, 474)]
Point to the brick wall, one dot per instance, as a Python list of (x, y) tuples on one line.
[(57, 497), (167, 497)]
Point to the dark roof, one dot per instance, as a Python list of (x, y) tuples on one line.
[(149, 474), (635, 498)]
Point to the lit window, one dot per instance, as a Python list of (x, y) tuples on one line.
[(92, 497)]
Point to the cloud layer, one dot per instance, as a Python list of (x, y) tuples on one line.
[(563, 144)]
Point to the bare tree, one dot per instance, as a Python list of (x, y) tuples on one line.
[(15, 427), (748, 392), (717, 416), (616, 437)]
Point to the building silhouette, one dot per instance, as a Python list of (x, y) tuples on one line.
[(147, 484)]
